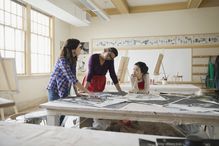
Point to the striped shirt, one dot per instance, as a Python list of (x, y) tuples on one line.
[(62, 77)]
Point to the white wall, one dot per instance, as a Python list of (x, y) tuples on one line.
[(33, 89), (62, 33), (202, 20), (192, 21)]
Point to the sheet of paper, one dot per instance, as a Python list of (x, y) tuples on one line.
[(143, 97), (192, 108), (96, 102)]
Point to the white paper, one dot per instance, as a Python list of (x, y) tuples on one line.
[(143, 97)]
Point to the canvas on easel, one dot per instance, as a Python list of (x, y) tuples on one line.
[(123, 68), (8, 77), (158, 64)]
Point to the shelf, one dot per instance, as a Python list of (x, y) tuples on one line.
[(204, 56), (199, 73), (200, 65)]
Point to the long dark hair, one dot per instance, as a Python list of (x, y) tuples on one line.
[(69, 45), (143, 67)]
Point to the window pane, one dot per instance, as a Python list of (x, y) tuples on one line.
[(1, 37), (1, 4), (10, 54), (19, 22), (9, 38), (47, 63), (33, 43), (39, 17), (1, 17), (20, 62), (7, 18), (19, 40), (41, 63), (13, 7), (7, 5), (47, 31), (34, 63), (13, 20), (34, 27), (19, 10), (39, 29), (2, 52), (40, 44), (47, 49), (47, 21)]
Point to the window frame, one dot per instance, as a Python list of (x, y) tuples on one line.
[(26, 28)]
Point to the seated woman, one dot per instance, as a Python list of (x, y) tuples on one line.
[(140, 79)]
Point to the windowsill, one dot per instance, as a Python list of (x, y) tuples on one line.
[(33, 76)]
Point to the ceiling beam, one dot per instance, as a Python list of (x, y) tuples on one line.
[(121, 5), (209, 3), (194, 3), (148, 8), (159, 7)]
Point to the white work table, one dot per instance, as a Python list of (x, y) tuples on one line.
[(176, 88), (13, 134), (130, 111), (168, 88)]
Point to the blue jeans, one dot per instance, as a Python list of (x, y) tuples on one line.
[(52, 95)]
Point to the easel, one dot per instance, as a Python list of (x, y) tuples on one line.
[(123, 69), (8, 84), (158, 65)]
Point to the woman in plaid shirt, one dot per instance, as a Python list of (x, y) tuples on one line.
[(64, 74)]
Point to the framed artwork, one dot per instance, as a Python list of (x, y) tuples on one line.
[(170, 41), (84, 47), (82, 63)]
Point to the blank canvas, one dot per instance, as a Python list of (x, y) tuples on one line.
[(8, 77)]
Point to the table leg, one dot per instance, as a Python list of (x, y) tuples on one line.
[(2, 114)]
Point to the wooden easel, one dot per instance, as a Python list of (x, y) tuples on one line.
[(123, 69), (7, 71)]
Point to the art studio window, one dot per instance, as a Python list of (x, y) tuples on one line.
[(12, 33), (40, 42), (25, 34)]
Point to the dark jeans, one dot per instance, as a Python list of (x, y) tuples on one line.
[(52, 95)]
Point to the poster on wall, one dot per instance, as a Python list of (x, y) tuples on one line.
[(82, 63), (84, 47), (171, 41), (83, 58)]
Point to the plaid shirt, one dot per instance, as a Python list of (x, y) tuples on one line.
[(62, 77)]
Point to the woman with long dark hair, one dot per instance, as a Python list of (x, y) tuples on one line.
[(64, 74), (140, 78), (98, 66)]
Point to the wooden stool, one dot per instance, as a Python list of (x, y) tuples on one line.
[(6, 103)]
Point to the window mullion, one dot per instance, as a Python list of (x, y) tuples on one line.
[(28, 41)]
